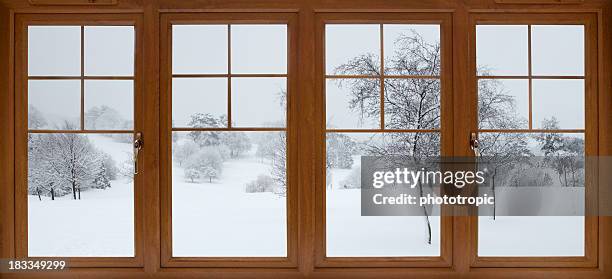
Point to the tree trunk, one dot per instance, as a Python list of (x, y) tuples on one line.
[(426, 215), (52, 194), (38, 192), (74, 190), (79, 190)]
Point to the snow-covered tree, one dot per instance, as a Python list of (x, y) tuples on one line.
[(62, 163), (205, 138), (183, 151), (273, 147), (101, 178), (207, 163), (36, 120), (127, 166), (237, 142), (565, 155), (103, 118), (409, 103), (110, 165), (415, 103), (340, 149), (192, 174)]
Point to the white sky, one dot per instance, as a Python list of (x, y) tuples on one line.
[(202, 49)]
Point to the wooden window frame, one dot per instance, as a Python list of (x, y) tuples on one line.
[(590, 132), (445, 130), (169, 19), (21, 126), (308, 261)]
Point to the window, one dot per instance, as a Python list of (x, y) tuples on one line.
[(533, 103), (230, 190), (373, 87), (80, 126)]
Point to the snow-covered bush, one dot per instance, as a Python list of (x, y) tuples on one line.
[(263, 183)]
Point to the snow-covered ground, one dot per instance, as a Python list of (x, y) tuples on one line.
[(221, 219), (100, 224)]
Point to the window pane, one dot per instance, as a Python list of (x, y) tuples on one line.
[(259, 102), (561, 100), (82, 207), (54, 50), (533, 236), (503, 104), (352, 103), (199, 49), (538, 236), (109, 104), (229, 194), (351, 235), (54, 104), (501, 50), (557, 50), (109, 59), (199, 102), (412, 49), (259, 49), (352, 49), (412, 103)]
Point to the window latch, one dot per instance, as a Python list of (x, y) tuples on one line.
[(138, 144), (474, 144)]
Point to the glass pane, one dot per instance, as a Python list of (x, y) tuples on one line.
[(259, 102), (348, 234), (532, 236), (109, 104), (352, 103), (229, 194), (503, 104), (259, 49), (109, 50), (352, 49), (199, 102), (54, 50), (81, 195), (412, 103), (537, 236), (199, 49), (557, 50), (412, 49), (502, 50), (558, 100), (54, 104)]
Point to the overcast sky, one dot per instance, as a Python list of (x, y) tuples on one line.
[(262, 49)]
